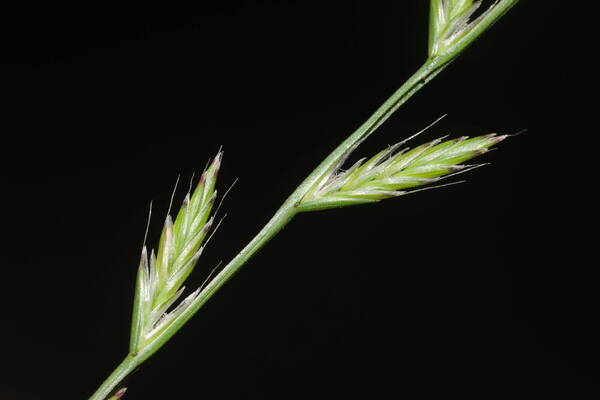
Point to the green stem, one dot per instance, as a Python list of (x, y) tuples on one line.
[(285, 213), (112, 383), (289, 209)]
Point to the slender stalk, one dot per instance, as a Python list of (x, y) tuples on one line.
[(285, 213), (288, 210), (118, 375)]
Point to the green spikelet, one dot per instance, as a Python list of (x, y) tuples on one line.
[(161, 275), (392, 173), (450, 20)]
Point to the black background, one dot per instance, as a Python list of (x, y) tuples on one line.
[(483, 290)]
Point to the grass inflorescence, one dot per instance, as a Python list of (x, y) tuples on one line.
[(158, 312), (394, 172), (161, 275)]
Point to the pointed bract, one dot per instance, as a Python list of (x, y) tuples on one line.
[(119, 394)]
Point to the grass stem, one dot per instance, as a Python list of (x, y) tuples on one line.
[(433, 65)]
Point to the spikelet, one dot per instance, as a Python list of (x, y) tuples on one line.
[(161, 275), (393, 173), (450, 20)]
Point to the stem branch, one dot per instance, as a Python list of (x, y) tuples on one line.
[(288, 210), (285, 213)]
